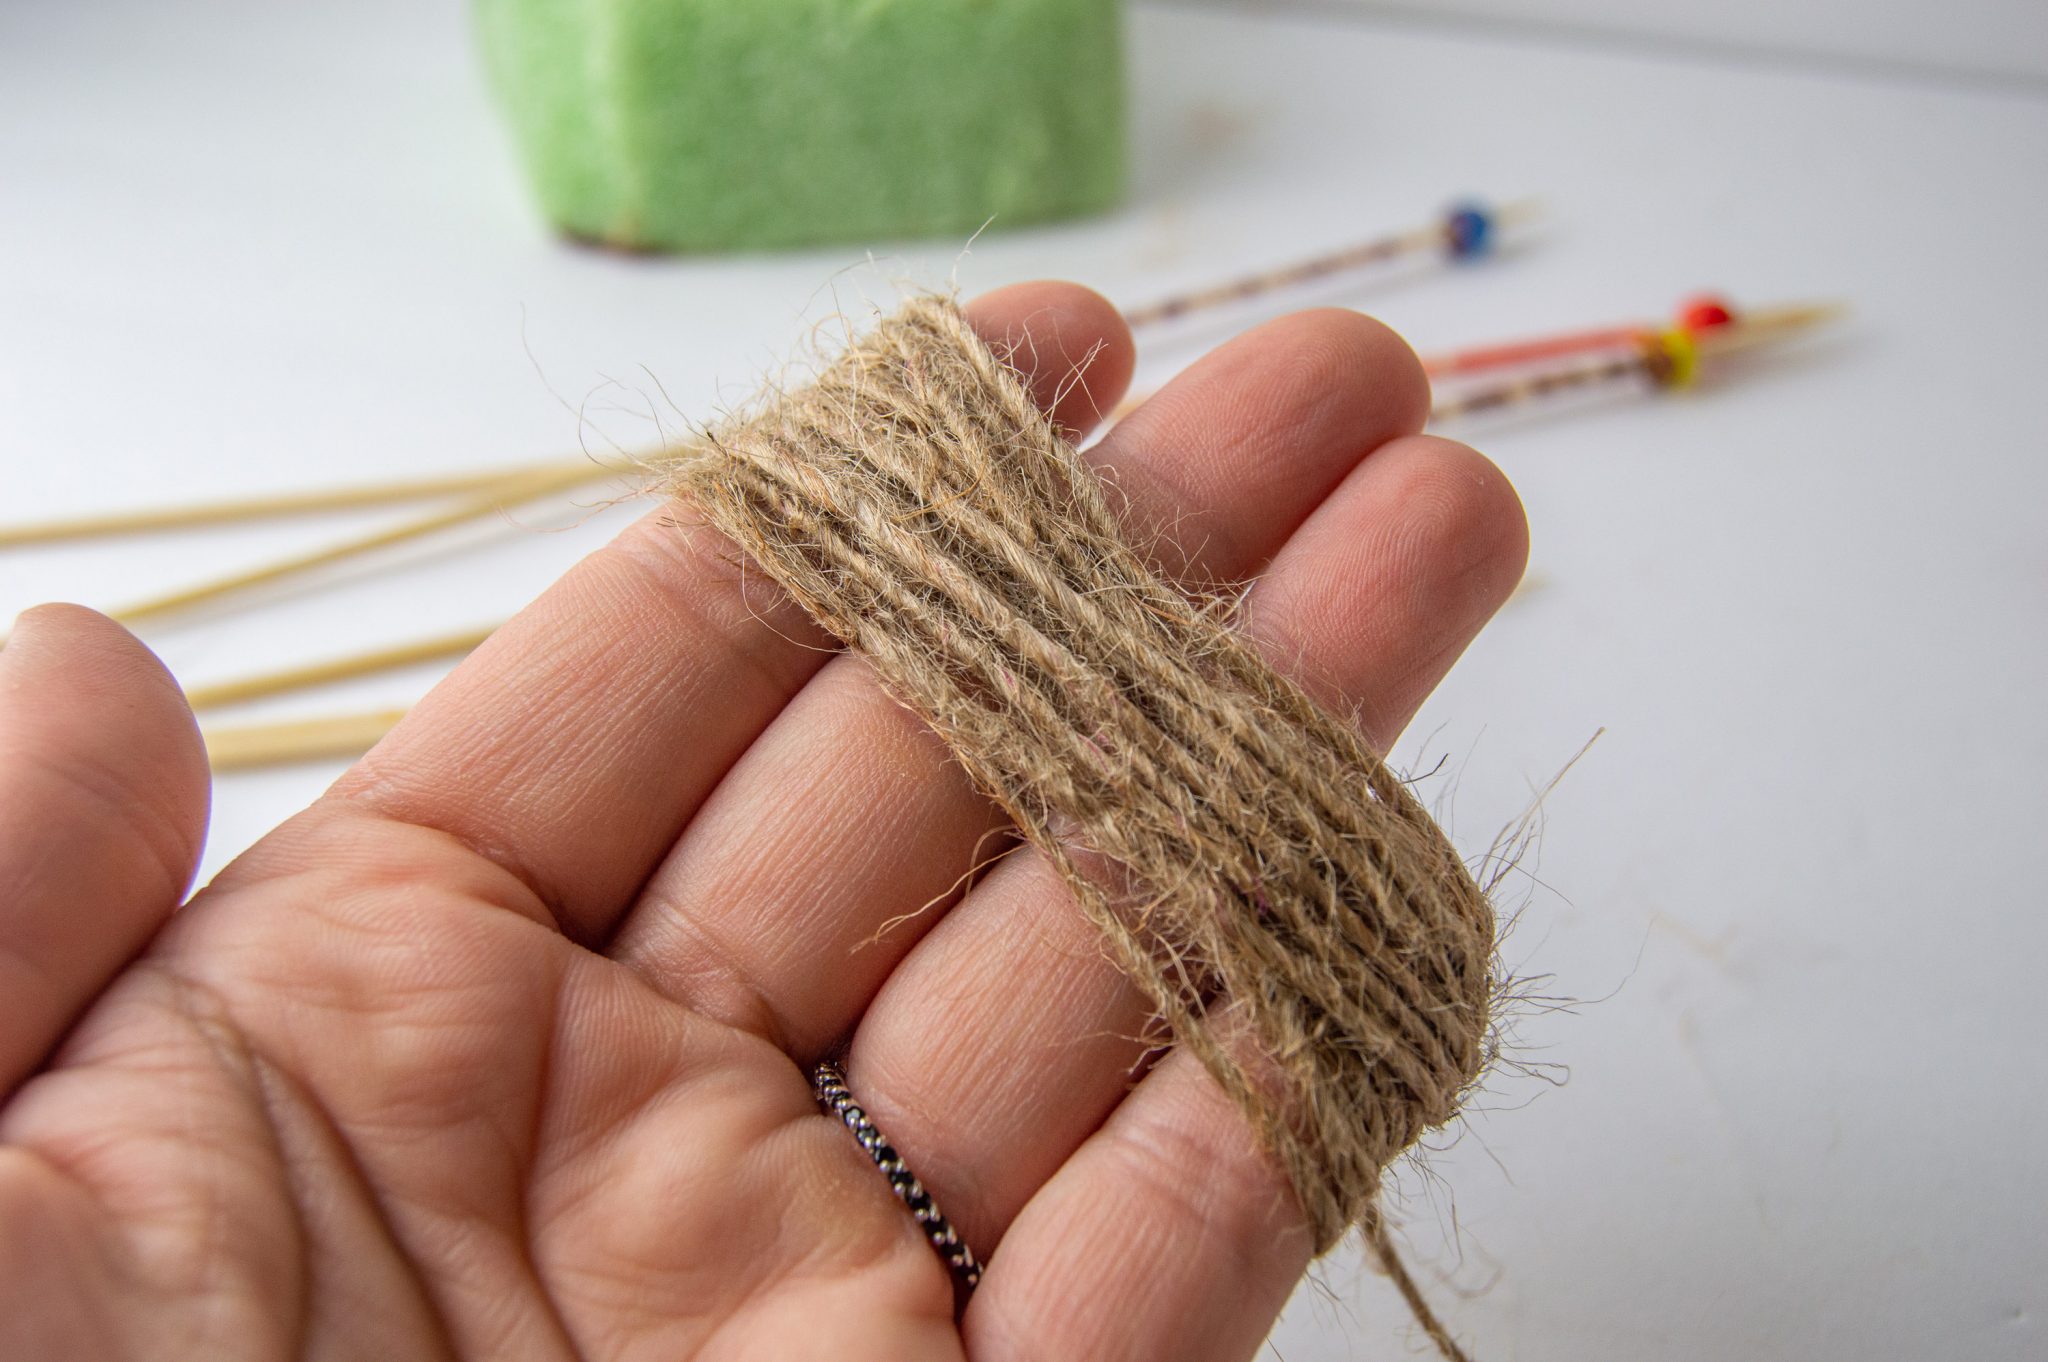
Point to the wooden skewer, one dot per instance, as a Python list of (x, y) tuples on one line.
[(335, 669), (1766, 325), (263, 507), (241, 747), (1482, 357), (1529, 388), (1707, 319), (1696, 316), (1463, 232), (1510, 353), (525, 488), (1652, 355)]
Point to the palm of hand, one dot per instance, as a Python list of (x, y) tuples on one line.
[(499, 1050)]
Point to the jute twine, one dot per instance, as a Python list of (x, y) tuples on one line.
[(1291, 911)]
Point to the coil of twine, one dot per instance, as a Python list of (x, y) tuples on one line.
[(1289, 908)]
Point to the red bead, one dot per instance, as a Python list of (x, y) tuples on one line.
[(1704, 313)]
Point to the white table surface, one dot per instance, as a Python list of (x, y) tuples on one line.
[(246, 245)]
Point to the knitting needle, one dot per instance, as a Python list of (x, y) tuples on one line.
[(1767, 324), (1670, 359), (522, 489), (336, 669), (1465, 233), (242, 746), (1696, 315), (262, 507), (1533, 387)]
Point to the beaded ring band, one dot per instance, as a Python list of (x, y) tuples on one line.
[(828, 1082)]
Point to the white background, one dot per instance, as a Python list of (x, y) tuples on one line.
[(1969, 37), (1797, 884)]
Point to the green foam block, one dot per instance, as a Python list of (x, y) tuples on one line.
[(721, 124)]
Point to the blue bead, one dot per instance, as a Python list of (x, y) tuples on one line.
[(1470, 229)]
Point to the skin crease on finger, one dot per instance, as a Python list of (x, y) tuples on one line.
[(362, 1099)]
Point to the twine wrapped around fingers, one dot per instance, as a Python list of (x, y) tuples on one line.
[(1288, 907)]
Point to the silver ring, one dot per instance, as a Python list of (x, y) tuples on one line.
[(828, 1082)]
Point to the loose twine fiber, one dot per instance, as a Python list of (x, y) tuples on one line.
[(1289, 908)]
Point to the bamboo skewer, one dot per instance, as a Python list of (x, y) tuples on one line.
[(244, 746), (1765, 325), (1514, 392), (263, 507), (1699, 317), (521, 490), (1510, 353), (1465, 232), (335, 669), (1669, 359)]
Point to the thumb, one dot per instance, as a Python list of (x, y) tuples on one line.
[(103, 804)]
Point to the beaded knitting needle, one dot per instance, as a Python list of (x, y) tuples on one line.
[(1694, 316), (263, 507), (1465, 233), (1669, 359)]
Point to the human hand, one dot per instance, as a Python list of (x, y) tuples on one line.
[(500, 1049)]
